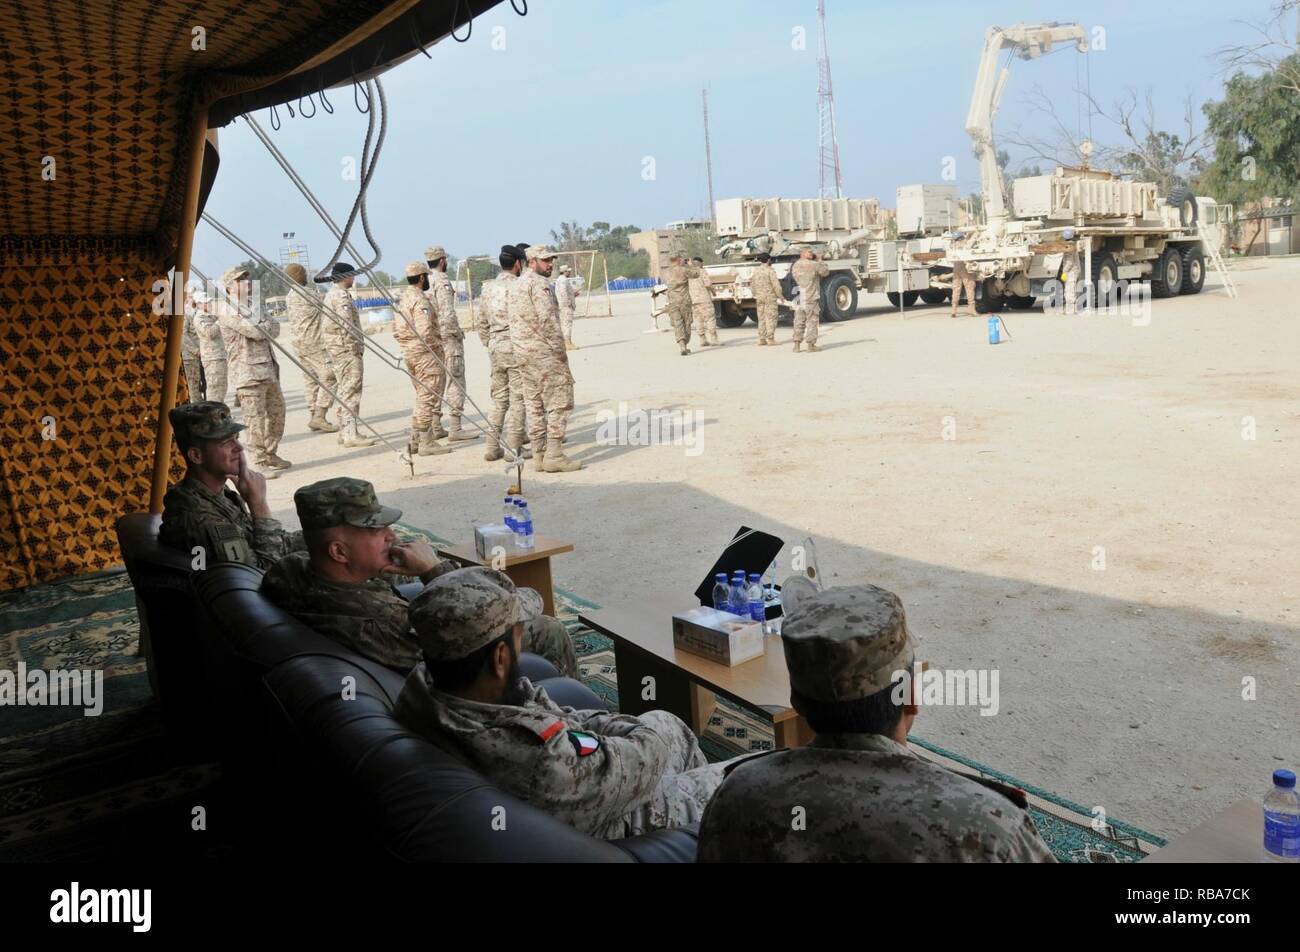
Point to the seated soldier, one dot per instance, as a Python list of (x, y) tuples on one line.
[(858, 794), (200, 511), (608, 775), (342, 587)]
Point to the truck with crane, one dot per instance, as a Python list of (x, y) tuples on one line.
[(1120, 229)]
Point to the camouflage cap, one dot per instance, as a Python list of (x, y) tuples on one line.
[(845, 643), (297, 272), (208, 420), (540, 251), (230, 274), (463, 610), (434, 252), (342, 501), (416, 268)]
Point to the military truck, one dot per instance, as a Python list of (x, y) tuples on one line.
[(850, 234)]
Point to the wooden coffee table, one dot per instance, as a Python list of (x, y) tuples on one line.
[(686, 684), (530, 569), (1233, 835)]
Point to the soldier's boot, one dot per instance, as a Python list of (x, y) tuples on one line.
[(685, 350), (349, 436), (557, 462), (428, 445), (494, 450), (713, 341), (522, 451), (438, 431), (277, 462), (457, 434), (812, 347), (539, 456), (319, 423), (796, 347)]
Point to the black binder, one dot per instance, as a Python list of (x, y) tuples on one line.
[(749, 549)]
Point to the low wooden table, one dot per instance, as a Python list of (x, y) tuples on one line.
[(1233, 835), (530, 569), (686, 684)]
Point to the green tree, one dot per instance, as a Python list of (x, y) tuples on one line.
[(1256, 134)]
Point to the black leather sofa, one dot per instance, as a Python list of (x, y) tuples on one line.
[(319, 772)]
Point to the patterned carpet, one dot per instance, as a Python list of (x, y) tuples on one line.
[(75, 787)]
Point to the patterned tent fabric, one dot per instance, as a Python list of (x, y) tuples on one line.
[(96, 102)]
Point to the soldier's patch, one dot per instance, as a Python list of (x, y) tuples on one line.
[(584, 743), (550, 730)]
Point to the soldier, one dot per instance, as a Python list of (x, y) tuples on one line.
[(416, 332), (862, 794), (230, 525), (677, 278), (256, 372), (443, 297), (608, 775), (190, 359), (303, 304), (341, 331), (506, 419), (342, 584), (963, 280), (538, 346), (767, 294), (229, 342), (566, 297), (808, 272), (212, 348), (1070, 271), (706, 322)]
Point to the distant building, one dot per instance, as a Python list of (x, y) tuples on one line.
[(658, 244), (691, 224), (1271, 229)]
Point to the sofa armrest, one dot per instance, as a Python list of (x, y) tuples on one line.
[(677, 845)]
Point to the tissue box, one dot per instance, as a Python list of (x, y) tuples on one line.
[(488, 537), (719, 636)]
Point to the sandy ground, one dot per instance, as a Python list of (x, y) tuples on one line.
[(1120, 687)]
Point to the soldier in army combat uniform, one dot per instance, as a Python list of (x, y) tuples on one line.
[(677, 278), (858, 793), (443, 298), (706, 322), (416, 332), (303, 306), (341, 331), (566, 297), (230, 525), (767, 295), (212, 349), (342, 584), (808, 272), (608, 775), (253, 366), (506, 418)]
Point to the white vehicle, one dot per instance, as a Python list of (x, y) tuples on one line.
[(1121, 230), (849, 234)]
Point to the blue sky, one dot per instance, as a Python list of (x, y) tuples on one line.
[(488, 145)]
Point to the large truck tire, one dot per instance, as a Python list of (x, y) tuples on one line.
[(1167, 276), (1184, 199), (839, 297), (1193, 269), (728, 314), (934, 295), (909, 298), (988, 300), (1105, 277)]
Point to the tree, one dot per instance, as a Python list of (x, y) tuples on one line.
[(1270, 53), (382, 279)]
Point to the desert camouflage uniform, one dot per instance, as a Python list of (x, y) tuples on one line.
[(256, 376), (212, 352), (767, 294), (416, 332), (493, 324), (706, 322), (566, 299), (962, 280), (443, 298), (347, 354), (222, 525), (190, 359), (539, 350), (305, 321), (641, 773), (865, 798), (677, 278), (1071, 269), (807, 312)]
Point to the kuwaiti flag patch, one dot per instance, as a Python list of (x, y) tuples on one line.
[(584, 743)]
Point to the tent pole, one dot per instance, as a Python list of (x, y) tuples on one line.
[(175, 324)]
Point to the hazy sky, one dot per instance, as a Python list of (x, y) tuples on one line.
[(554, 116)]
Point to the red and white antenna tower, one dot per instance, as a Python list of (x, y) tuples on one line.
[(830, 184)]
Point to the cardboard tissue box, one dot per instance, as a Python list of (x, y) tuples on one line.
[(719, 636)]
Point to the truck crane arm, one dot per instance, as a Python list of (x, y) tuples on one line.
[(1028, 41)]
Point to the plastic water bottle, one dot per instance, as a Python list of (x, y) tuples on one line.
[(525, 535), (519, 523), (995, 335), (508, 512), (755, 593), (1282, 820), (739, 597), (721, 592)]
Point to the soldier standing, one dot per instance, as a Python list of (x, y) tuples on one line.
[(863, 794), (1070, 271), (808, 272), (506, 418), (303, 304), (341, 331), (677, 278), (768, 295), (706, 322), (538, 345), (963, 280), (190, 359), (416, 332), (256, 373), (443, 297), (566, 298), (212, 348)]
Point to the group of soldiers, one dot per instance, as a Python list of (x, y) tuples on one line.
[(689, 300), (527, 330)]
